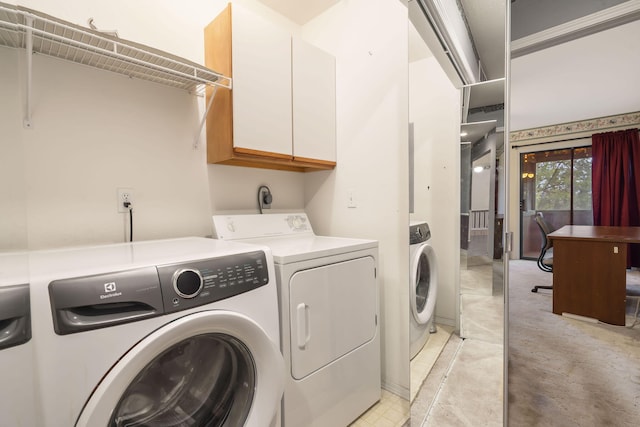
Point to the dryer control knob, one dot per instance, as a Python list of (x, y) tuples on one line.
[(187, 282)]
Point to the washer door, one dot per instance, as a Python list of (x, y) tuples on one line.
[(424, 283), (211, 368)]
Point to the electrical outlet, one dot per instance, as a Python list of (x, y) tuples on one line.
[(125, 195)]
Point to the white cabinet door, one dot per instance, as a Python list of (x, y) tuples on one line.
[(261, 56), (314, 102)]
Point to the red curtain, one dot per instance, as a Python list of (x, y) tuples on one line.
[(616, 182)]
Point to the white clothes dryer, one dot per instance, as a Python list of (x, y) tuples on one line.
[(423, 286), (16, 346), (179, 332), (329, 314)]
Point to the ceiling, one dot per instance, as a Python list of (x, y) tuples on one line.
[(300, 12), (532, 16)]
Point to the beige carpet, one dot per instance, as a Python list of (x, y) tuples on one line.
[(565, 372)]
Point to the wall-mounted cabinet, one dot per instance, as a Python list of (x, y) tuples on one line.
[(281, 112)]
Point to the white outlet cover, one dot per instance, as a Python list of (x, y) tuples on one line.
[(121, 194)]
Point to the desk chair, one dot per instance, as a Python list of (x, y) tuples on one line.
[(545, 260), (633, 292)]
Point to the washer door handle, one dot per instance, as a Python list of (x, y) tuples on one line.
[(304, 326), (15, 316)]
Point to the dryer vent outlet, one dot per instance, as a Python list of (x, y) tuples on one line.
[(265, 198)]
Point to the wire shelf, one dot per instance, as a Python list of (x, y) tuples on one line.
[(53, 37)]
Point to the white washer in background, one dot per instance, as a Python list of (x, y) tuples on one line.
[(176, 332), (329, 316), (423, 286), (16, 344)]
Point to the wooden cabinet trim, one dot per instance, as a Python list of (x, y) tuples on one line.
[(220, 116), (315, 163), (258, 153)]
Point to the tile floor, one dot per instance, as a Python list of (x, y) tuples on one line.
[(423, 362), (464, 386), (456, 381), (390, 411), (393, 410)]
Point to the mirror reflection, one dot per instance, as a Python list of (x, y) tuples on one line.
[(463, 86)]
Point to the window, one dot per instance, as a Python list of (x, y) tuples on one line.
[(558, 184)]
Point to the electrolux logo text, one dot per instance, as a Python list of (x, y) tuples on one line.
[(110, 291)]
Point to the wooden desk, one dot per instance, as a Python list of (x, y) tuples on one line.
[(589, 270)]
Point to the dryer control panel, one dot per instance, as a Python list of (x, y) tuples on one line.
[(190, 284)]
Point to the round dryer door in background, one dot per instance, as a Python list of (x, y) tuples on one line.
[(424, 283), (199, 370)]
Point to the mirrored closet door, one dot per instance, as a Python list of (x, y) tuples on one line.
[(456, 110)]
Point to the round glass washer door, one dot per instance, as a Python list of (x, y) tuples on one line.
[(212, 368), (424, 283)]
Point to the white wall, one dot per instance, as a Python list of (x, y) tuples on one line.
[(480, 190), (13, 226), (235, 189), (587, 78), (591, 77), (94, 131), (370, 42), (435, 111)]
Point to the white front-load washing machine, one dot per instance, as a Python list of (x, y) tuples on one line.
[(329, 313), (178, 332), (16, 344), (423, 286)]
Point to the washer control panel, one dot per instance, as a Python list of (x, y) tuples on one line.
[(194, 283), (418, 233)]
